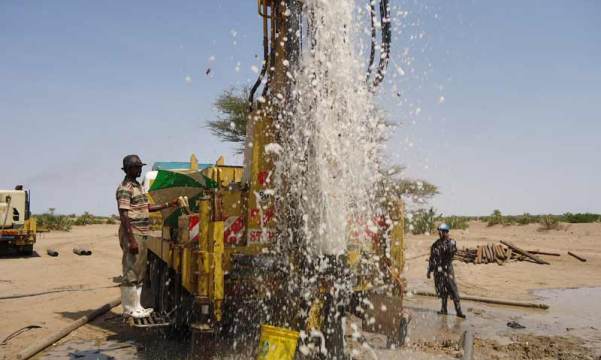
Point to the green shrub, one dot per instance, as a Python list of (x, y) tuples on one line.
[(457, 222), (496, 218), (423, 221), (580, 218), (549, 222), (526, 219), (88, 219), (50, 221)]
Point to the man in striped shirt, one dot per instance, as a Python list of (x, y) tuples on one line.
[(134, 212)]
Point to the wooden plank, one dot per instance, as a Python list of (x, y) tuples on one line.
[(478, 254), (524, 253), (576, 256)]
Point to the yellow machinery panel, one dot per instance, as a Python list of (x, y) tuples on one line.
[(397, 237), (216, 239), (204, 264)]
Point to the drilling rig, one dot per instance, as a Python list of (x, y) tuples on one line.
[(221, 268)]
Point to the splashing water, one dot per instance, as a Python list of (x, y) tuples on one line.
[(328, 166)]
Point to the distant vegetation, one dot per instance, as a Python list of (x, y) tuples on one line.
[(547, 221), (50, 221), (424, 221), (497, 218), (456, 222), (581, 218)]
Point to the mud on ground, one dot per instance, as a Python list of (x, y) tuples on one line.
[(522, 347), (526, 347)]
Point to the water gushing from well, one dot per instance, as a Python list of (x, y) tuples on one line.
[(328, 166)]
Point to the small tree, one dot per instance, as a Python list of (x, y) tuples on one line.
[(496, 218), (423, 221), (419, 191), (230, 125)]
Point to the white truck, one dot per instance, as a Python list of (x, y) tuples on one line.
[(17, 227)]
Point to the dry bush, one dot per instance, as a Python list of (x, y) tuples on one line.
[(549, 222)]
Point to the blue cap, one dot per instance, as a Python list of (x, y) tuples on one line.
[(444, 227)]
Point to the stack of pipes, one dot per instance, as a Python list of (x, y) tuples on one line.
[(500, 253)]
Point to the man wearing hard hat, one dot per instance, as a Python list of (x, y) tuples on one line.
[(133, 233), (441, 264)]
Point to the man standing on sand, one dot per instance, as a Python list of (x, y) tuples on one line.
[(441, 263), (133, 233)]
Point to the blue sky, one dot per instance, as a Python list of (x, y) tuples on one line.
[(84, 83)]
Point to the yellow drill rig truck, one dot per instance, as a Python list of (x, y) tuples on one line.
[(17, 227), (215, 271)]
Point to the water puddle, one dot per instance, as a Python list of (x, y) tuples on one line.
[(572, 313), (573, 308)]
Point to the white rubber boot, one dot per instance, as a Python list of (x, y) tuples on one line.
[(139, 307), (128, 301)]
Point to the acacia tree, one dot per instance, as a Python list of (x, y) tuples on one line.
[(230, 126)]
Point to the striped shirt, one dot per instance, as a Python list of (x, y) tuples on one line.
[(131, 197)]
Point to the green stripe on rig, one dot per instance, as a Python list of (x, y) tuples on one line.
[(168, 179)]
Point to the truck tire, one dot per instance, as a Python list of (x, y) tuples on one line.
[(26, 250)]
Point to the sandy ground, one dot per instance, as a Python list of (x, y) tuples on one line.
[(569, 327), (92, 277)]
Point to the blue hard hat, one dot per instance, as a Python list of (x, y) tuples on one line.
[(444, 227)]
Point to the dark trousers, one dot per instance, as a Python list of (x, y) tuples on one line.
[(447, 287)]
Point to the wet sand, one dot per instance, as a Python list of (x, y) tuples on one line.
[(571, 288)]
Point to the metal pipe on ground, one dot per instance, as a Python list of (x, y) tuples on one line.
[(468, 345), (44, 343), (417, 257), (538, 252), (52, 252), (491, 301), (576, 256), (82, 251)]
